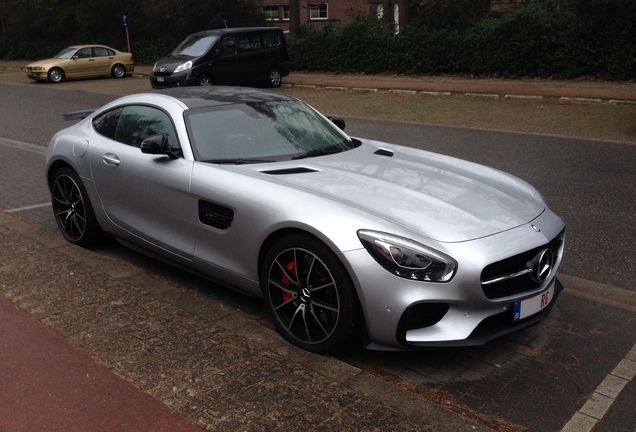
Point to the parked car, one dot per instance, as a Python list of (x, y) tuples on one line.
[(225, 56), (344, 238), (82, 61)]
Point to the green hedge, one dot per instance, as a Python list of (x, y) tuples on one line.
[(588, 38), (547, 38)]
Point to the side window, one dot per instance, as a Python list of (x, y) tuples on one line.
[(249, 41), (103, 52), (271, 39), (84, 53), (138, 122), (227, 46), (132, 124), (106, 124)]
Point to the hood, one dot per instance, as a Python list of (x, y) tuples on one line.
[(47, 63), (443, 198)]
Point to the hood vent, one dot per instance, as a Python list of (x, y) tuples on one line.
[(384, 152), (296, 170)]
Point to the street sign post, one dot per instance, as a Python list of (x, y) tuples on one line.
[(125, 19)]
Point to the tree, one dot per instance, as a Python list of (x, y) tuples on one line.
[(294, 16)]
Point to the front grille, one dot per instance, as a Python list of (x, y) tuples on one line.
[(513, 276)]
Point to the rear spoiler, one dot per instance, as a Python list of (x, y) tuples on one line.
[(78, 115)]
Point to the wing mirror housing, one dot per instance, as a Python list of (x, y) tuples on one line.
[(338, 121), (157, 145)]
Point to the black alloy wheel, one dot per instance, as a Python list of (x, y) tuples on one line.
[(309, 295), (72, 209)]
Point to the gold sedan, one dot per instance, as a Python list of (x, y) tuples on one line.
[(82, 61)]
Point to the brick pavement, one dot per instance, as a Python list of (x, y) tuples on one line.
[(208, 361)]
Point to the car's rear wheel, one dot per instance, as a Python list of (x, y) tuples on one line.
[(309, 294), (72, 209), (56, 75), (274, 77), (205, 80), (118, 71)]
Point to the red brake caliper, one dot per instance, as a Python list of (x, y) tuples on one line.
[(292, 269)]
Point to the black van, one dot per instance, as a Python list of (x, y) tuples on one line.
[(225, 56)]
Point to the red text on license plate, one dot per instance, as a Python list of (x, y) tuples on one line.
[(533, 305)]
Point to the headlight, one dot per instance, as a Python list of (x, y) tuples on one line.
[(185, 66), (407, 258), (38, 68)]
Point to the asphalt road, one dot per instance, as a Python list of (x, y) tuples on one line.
[(538, 378), (589, 183)]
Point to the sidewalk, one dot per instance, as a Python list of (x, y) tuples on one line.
[(615, 91), (127, 349)]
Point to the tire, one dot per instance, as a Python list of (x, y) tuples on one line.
[(205, 80), (56, 75), (73, 210), (274, 77), (309, 295), (118, 71)]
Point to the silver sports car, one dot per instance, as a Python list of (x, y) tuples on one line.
[(345, 239)]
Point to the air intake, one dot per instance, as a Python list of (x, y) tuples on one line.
[(286, 171)]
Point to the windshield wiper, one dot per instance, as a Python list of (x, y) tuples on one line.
[(237, 161), (318, 152)]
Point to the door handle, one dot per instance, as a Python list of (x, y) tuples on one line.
[(111, 159)]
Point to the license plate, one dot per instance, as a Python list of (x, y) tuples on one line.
[(533, 305), (160, 79)]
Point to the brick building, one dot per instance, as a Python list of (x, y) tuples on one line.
[(318, 13)]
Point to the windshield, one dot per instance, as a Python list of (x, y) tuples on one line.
[(262, 132), (66, 53), (194, 46)]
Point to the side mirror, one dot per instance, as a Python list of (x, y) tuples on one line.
[(75, 57), (157, 145), (338, 121)]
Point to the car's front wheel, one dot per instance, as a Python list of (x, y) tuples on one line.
[(309, 294), (118, 71), (72, 209), (56, 75), (205, 80)]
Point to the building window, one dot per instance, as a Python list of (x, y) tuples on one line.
[(271, 13), (318, 11), (285, 13)]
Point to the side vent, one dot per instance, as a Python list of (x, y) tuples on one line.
[(384, 152), (215, 215), (296, 170)]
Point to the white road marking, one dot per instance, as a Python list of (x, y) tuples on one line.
[(586, 419), (31, 207)]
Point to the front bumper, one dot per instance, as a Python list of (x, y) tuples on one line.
[(494, 326), (404, 314), (168, 81), (36, 75)]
